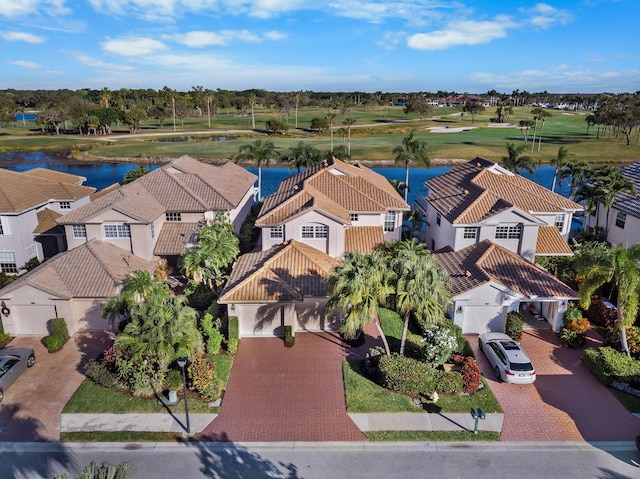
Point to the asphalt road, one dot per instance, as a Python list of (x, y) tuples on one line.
[(328, 460)]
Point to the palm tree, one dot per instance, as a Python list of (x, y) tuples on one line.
[(349, 123), (560, 162), (597, 264), (543, 116), (413, 150), (537, 113), (525, 126), (135, 288), (252, 104), (132, 175), (330, 117), (516, 161), (357, 287), (296, 97), (303, 155), (259, 152)]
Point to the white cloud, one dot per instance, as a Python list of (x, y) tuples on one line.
[(24, 64), (197, 39), (390, 40), (544, 16), (275, 35), (91, 61), (462, 33), (133, 46), (21, 37), (22, 8)]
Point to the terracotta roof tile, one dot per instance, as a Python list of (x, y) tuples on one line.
[(47, 221), (551, 243), (174, 238), (93, 270), (104, 191), (287, 272), (487, 261), (363, 238)]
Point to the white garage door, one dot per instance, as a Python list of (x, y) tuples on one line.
[(480, 319), (32, 318)]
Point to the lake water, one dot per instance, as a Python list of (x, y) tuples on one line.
[(102, 174)]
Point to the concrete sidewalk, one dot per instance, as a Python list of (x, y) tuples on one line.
[(365, 422)]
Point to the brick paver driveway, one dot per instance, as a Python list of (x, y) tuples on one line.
[(30, 410), (285, 394), (566, 403)]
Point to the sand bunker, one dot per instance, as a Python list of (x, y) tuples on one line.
[(446, 129)]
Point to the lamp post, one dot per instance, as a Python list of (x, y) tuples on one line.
[(182, 362)]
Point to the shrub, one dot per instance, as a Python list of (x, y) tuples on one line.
[(633, 340), (199, 296), (289, 338), (233, 332), (100, 374), (513, 325), (592, 359), (609, 364), (602, 315), (202, 377), (570, 314), (448, 382), (1, 326), (371, 360), (59, 328), (437, 344), (579, 325), (211, 330), (571, 339), (413, 346), (403, 374), (5, 339), (139, 378), (471, 375), (173, 380)]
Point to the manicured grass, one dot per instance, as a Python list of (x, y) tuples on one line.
[(483, 398), (223, 366), (440, 436), (631, 402), (121, 436), (91, 398), (363, 395)]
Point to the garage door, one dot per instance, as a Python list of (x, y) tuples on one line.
[(480, 319), (32, 318)]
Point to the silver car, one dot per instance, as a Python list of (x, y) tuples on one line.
[(509, 362), (13, 362)]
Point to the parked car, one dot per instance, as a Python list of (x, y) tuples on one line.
[(13, 362), (509, 362)]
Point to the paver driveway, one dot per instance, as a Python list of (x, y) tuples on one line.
[(30, 410), (285, 394), (566, 403)]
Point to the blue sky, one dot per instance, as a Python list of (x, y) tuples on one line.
[(562, 46)]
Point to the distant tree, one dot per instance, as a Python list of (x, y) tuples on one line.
[(516, 160), (260, 152), (277, 127), (132, 175), (544, 115), (418, 105), (348, 122), (303, 155), (525, 126), (473, 108), (412, 150), (320, 124)]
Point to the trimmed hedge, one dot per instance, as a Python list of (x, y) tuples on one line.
[(514, 325), (234, 334), (609, 365), (5, 339), (408, 375), (289, 338), (449, 382), (59, 337)]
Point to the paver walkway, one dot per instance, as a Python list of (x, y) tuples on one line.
[(566, 403), (285, 394)]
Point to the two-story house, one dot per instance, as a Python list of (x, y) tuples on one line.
[(621, 222), (30, 202), (158, 214), (486, 226), (307, 225)]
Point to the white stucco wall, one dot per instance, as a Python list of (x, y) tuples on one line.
[(240, 212), (625, 237), (483, 309), (311, 317)]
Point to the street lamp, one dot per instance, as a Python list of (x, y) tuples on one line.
[(182, 362)]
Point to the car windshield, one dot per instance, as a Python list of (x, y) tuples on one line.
[(509, 345), (521, 367)]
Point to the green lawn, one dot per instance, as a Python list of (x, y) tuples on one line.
[(441, 436), (121, 436)]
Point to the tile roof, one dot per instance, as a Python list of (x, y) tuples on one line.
[(184, 185), (487, 261), (23, 190), (624, 201), (104, 191), (174, 237), (335, 188), (285, 273), (480, 189), (363, 238), (551, 243), (47, 222), (93, 270)]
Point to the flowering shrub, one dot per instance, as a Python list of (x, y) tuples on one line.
[(570, 314), (579, 325), (437, 344)]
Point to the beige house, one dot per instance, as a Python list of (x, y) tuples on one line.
[(159, 213), (481, 200), (307, 225), (73, 285), (30, 202)]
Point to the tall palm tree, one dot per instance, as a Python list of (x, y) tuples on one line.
[(413, 150), (252, 104), (525, 126), (330, 117), (598, 264), (516, 160), (357, 287), (259, 152), (135, 288), (348, 122), (296, 97), (560, 162), (544, 115), (537, 113), (303, 155)]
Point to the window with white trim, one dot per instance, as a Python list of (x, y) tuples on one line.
[(353, 217), (120, 230), (8, 262), (621, 219), (559, 223), (470, 232), (276, 232), (65, 205), (508, 232), (173, 217), (79, 231), (32, 251), (315, 232), (390, 221)]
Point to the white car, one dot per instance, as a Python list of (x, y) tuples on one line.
[(509, 362)]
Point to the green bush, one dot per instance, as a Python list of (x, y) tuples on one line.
[(289, 338), (571, 339), (211, 331), (403, 374), (609, 364), (54, 343), (514, 324), (202, 377), (633, 340), (199, 296), (579, 325), (449, 382), (438, 343), (234, 334), (59, 328), (592, 359), (5, 339), (100, 374), (173, 380), (1, 327), (570, 314)]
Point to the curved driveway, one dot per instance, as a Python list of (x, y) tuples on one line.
[(566, 403)]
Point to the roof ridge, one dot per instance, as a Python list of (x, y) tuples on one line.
[(90, 246)]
